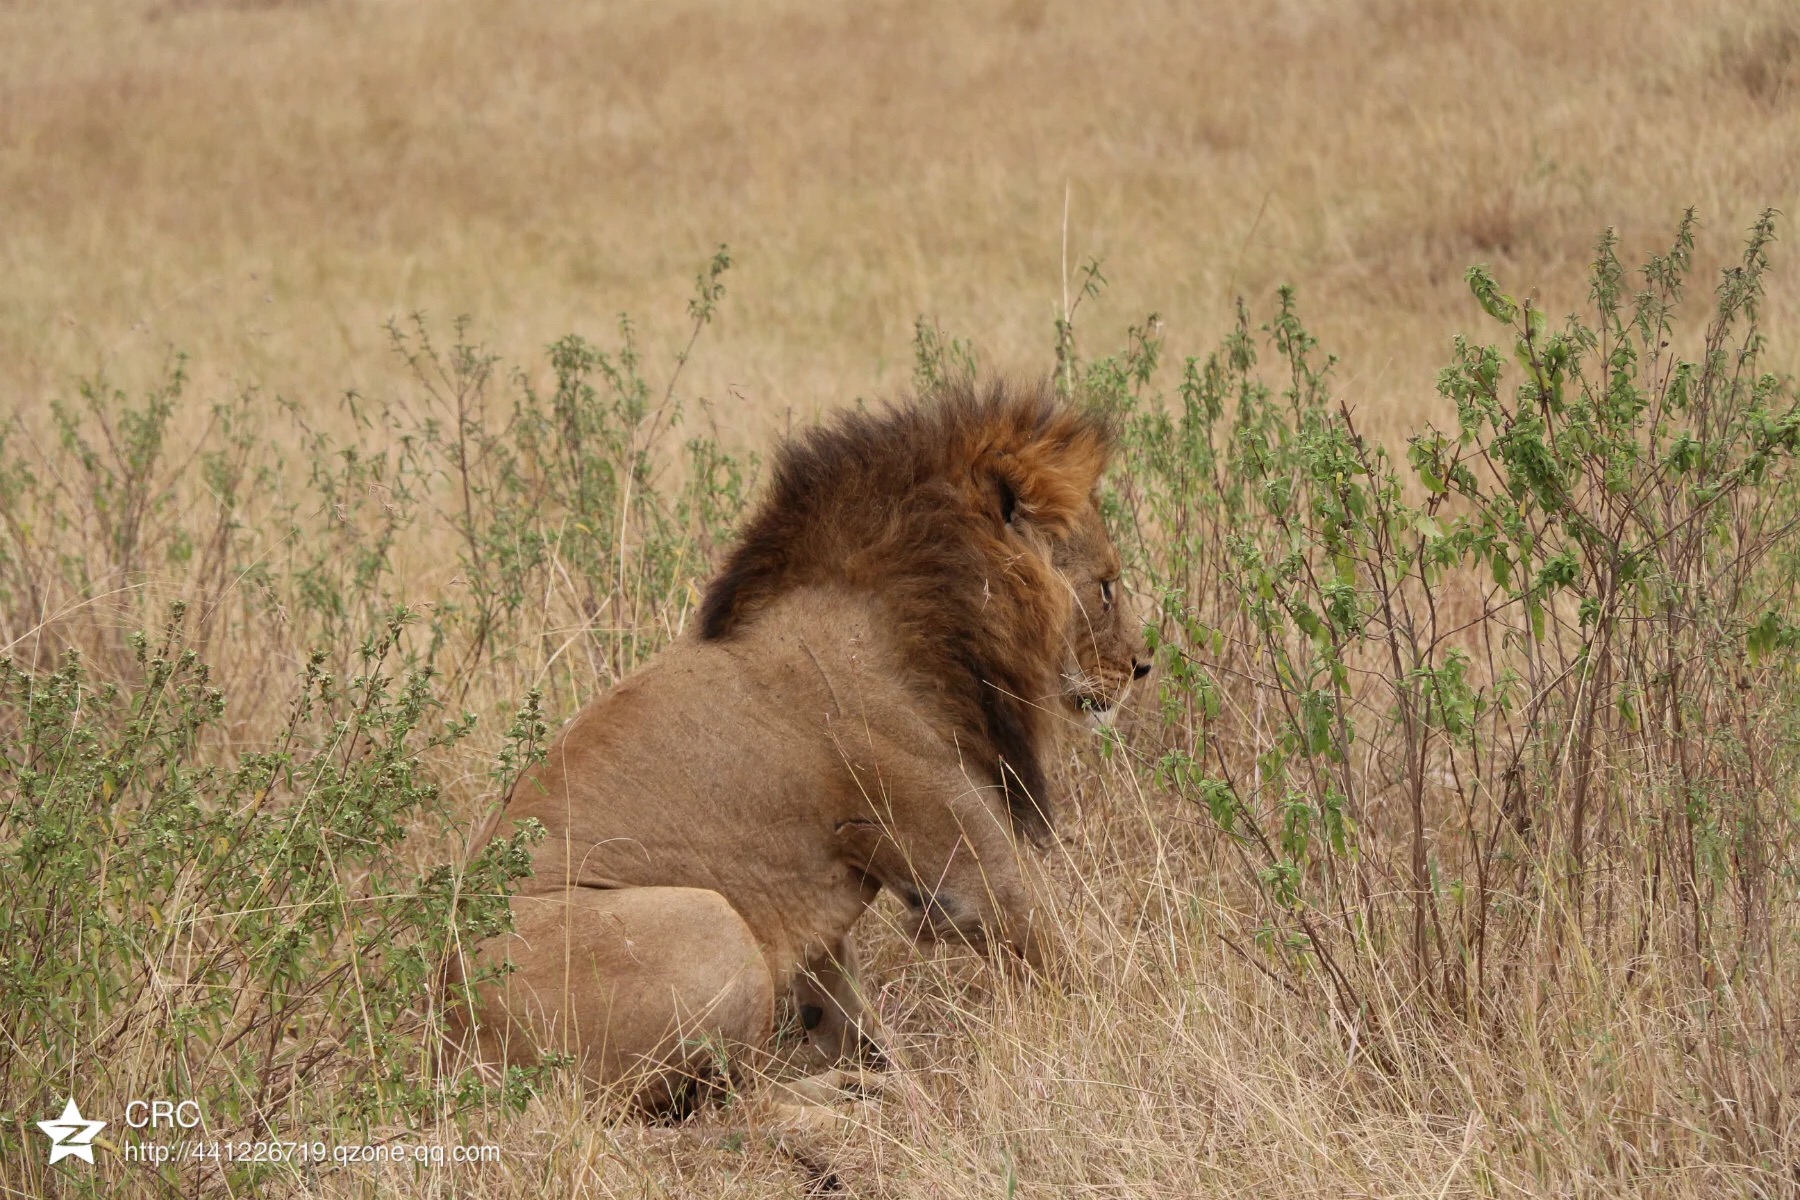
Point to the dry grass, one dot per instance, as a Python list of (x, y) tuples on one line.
[(1165, 1066), (262, 184)]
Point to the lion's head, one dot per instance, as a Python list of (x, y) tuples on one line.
[(1104, 640), (971, 515)]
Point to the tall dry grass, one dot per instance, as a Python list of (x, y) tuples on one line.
[(263, 185), (1207, 1039)]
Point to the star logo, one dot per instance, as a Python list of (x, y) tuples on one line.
[(71, 1134)]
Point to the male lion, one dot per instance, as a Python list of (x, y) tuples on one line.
[(922, 597)]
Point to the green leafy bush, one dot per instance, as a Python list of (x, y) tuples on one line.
[(1531, 682), (231, 852), (241, 935)]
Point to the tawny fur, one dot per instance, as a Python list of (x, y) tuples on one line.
[(885, 636)]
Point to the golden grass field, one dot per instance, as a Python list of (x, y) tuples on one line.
[(261, 184)]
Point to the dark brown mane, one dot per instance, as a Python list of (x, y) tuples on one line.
[(938, 507)]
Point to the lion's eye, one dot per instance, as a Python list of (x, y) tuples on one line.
[(1106, 592)]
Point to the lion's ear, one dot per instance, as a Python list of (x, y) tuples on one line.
[(1048, 482), (1009, 499)]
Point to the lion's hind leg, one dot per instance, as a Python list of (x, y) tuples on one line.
[(650, 989)]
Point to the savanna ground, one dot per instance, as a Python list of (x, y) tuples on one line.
[(1454, 853)]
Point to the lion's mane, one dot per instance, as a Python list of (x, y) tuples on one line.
[(940, 509)]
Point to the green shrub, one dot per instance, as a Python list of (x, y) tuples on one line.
[(260, 923), (1533, 680), (242, 935)]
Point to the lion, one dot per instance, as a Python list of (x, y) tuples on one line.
[(923, 597)]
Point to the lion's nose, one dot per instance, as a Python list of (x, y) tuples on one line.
[(1139, 669)]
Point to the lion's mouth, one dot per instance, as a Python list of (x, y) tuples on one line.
[(1092, 701)]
